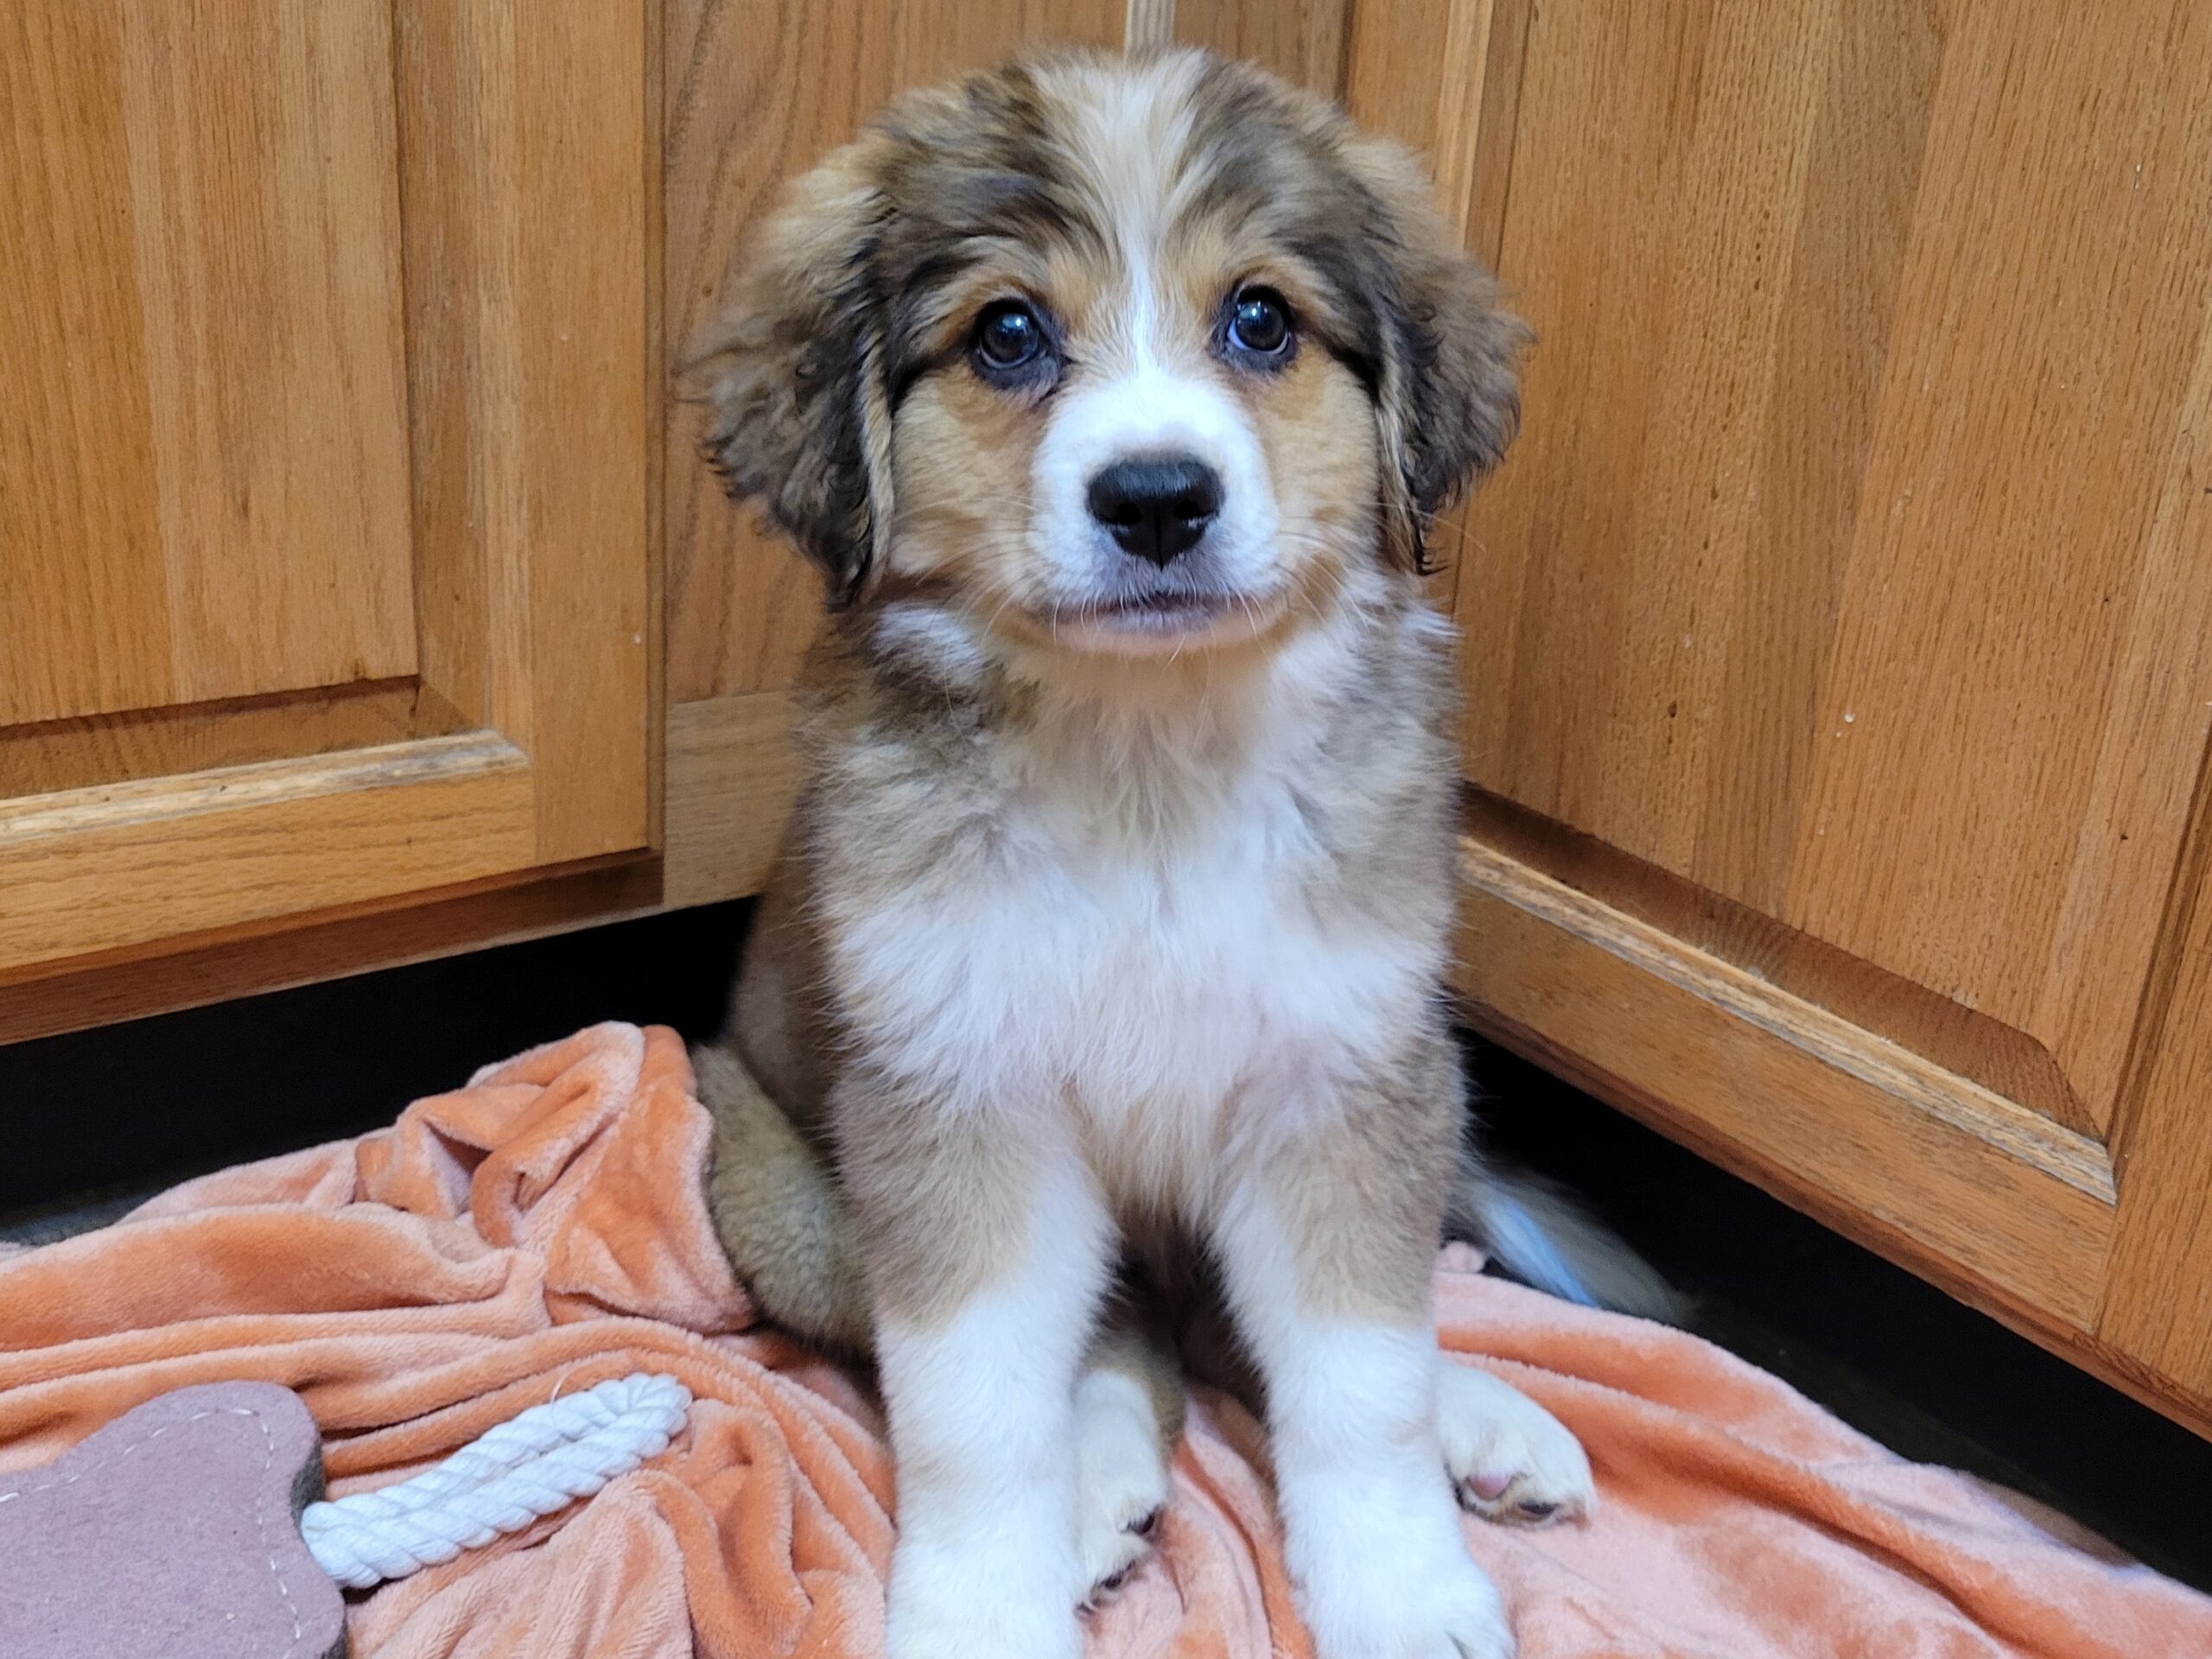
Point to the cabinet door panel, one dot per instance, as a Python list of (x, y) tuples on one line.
[(326, 567), (1843, 575), (203, 486)]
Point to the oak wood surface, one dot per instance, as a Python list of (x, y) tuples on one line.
[(356, 601), (525, 180), (732, 776), (203, 464), (1302, 41), (1951, 1173), (281, 952), (93, 749), (1839, 637), (1844, 571), (126, 864)]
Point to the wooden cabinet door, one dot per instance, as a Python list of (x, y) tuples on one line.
[(323, 457), (1838, 635)]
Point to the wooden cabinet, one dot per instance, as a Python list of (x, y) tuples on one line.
[(325, 571), (361, 596), (1838, 635)]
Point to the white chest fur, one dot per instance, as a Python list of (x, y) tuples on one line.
[(1162, 999)]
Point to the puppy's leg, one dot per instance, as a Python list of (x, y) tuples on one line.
[(1128, 1410), (1327, 1242), (987, 1246)]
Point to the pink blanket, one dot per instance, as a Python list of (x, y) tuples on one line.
[(541, 1229)]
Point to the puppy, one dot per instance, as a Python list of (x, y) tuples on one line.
[(1094, 1005)]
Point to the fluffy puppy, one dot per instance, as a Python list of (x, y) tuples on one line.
[(1097, 988)]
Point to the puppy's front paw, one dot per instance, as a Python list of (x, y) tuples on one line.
[(1406, 1605), (1382, 1566), (1509, 1459), (1121, 1481), (965, 1605)]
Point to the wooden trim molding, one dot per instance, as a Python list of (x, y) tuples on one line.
[(730, 778), (351, 940), (127, 863), (1149, 24), (1997, 1203)]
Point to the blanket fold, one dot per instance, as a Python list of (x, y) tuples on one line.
[(544, 1228)]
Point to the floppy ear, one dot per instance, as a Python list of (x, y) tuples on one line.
[(1449, 391), (792, 374)]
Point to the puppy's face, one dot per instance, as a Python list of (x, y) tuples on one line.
[(1125, 359)]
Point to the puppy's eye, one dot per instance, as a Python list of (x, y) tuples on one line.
[(1008, 338), (1259, 328)]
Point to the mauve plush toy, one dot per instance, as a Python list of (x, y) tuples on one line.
[(193, 1527), (174, 1533)]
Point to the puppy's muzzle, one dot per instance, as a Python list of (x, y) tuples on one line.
[(1156, 508)]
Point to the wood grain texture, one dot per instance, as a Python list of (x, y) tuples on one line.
[(732, 777), (2064, 251), (203, 485), (128, 864), (1148, 25), (1976, 1049), (1440, 76), (1954, 1181), (461, 452), (273, 953), (1640, 1040), (1302, 41), (524, 161), (84, 596), (1840, 571), (754, 95), (96, 749), (2158, 1299)]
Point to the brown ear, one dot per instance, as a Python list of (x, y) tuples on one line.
[(792, 374), (1449, 391)]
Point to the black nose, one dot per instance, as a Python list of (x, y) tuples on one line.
[(1156, 508)]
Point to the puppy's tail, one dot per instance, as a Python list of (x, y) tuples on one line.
[(1538, 1234)]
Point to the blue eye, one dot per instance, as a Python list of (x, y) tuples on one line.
[(1259, 325), (1007, 336)]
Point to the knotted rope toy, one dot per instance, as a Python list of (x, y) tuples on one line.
[(192, 1527)]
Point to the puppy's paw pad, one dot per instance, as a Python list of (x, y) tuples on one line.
[(1510, 1460), (1121, 1482)]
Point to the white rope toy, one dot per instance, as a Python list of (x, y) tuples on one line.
[(542, 1461)]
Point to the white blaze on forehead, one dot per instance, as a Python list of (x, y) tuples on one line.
[(1131, 134), (1147, 385)]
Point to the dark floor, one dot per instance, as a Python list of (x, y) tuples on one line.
[(91, 1122)]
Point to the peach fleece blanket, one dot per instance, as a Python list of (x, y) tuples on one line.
[(542, 1229)]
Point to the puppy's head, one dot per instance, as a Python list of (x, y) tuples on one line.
[(1124, 357)]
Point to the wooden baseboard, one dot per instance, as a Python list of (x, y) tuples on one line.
[(306, 950)]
